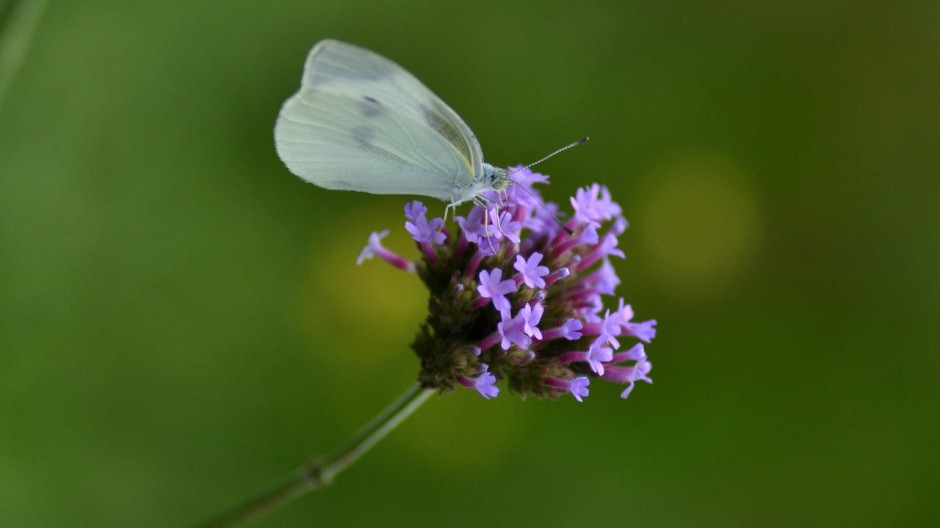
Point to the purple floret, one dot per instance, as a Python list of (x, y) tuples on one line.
[(531, 315), (597, 355), (579, 388), (492, 287), (593, 205), (513, 331), (530, 270), (427, 232), (485, 383)]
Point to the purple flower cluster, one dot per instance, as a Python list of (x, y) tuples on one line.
[(518, 295)]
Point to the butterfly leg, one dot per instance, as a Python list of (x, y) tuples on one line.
[(489, 238), (449, 207), (486, 222), (496, 218)]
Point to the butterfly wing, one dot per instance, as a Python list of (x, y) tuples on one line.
[(361, 122)]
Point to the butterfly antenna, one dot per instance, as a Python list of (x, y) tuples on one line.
[(534, 163), (559, 151)]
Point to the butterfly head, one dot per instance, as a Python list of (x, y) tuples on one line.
[(495, 178)]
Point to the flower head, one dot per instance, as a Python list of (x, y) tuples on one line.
[(522, 296)]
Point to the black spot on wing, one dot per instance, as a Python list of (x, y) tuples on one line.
[(369, 107)]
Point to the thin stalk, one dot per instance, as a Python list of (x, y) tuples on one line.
[(18, 21), (319, 472)]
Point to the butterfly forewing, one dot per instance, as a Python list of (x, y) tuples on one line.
[(361, 122)]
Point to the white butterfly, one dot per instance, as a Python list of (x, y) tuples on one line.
[(361, 122)]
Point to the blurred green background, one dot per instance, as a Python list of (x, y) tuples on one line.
[(182, 322)]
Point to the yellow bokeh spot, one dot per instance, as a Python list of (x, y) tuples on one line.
[(701, 225), (361, 319)]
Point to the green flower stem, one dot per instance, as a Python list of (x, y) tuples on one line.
[(319, 472), (18, 21)]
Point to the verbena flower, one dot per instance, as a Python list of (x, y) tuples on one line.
[(517, 295)]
